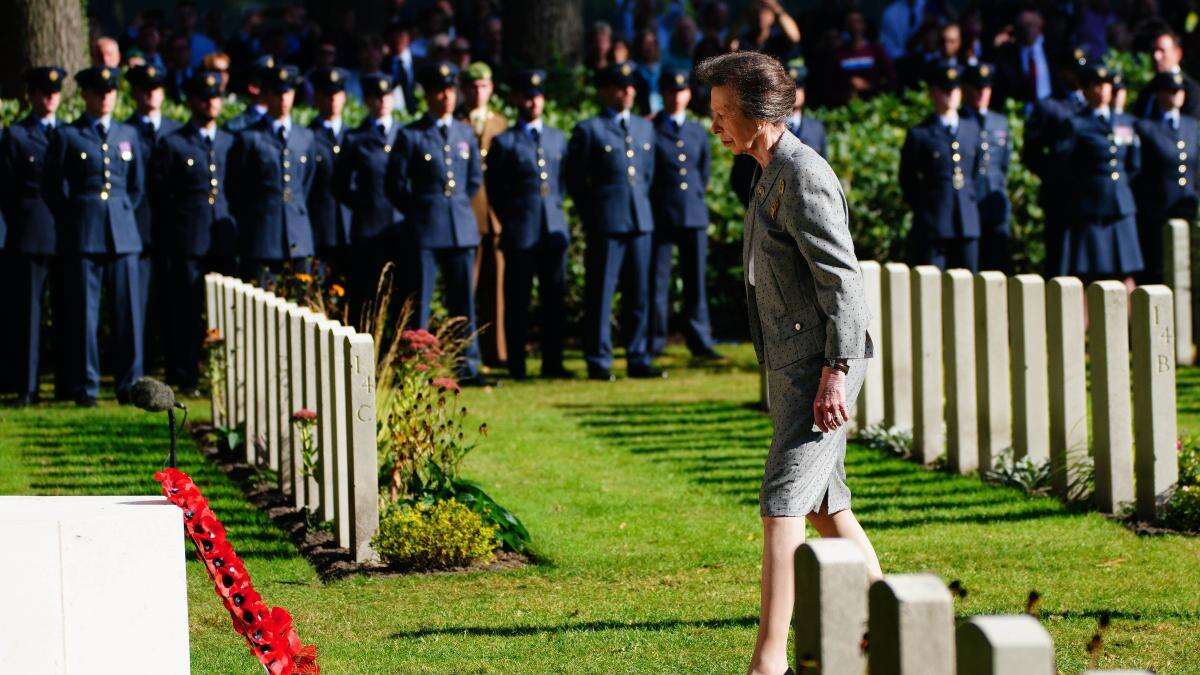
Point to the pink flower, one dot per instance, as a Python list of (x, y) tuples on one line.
[(304, 415), (446, 383)]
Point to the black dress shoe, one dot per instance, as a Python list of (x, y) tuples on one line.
[(558, 373), (600, 374), (86, 401), (708, 355), (647, 373), (122, 397), (22, 401), (478, 381), (518, 375)]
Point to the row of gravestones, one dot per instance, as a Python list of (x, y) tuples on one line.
[(909, 624), (974, 364), (280, 358)]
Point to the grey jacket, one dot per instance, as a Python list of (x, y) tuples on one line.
[(808, 294)]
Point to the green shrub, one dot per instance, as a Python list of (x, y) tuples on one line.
[(430, 537), (1183, 509), (893, 440)]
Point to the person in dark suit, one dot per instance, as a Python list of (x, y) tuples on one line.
[(330, 219), (93, 180), (1166, 186), (402, 65), (1028, 67), (1048, 122), (269, 176), (807, 128), (146, 84), (1101, 153), (256, 93), (198, 233), (524, 176), (1167, 55), (31, 244), (376, 225), (433, 173), (681, 173), (990, 174), (935, 164), (609, 169)]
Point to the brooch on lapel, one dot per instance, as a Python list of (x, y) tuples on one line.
[(778, 198)]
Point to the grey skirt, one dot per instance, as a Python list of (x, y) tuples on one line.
[(805, 465)]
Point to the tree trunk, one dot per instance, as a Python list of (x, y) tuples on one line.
[(542, 33), (40, 33)]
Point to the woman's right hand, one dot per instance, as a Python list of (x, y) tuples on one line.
[(830, 411)]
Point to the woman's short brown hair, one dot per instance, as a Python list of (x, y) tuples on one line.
[(760, 84)]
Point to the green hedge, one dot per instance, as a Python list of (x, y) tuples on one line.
[(864, 147)]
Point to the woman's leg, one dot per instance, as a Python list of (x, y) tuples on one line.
[(843, 524), (781, 537)]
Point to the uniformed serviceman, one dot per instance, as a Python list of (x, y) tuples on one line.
[(681, 172), (810, 130), (93, 179), (376, 225), (990, 175), (936, 162), (146, 85), (1101, 153), (256, 95), (330, 219), (270, 173), (31, 241), (433, 173), (489, 259), (525, 176), (1049, 121), (609, 169), (1166, 186), (198, 233)]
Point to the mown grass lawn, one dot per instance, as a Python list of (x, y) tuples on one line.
[(642, 500)]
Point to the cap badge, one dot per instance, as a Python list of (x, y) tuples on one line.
[(53, 75), (383, 85), (283, 74), (984, 70), (151, 72), (535, 79), (210, 80), (625, 69), (679, 79), (951, 74), (444, 70)]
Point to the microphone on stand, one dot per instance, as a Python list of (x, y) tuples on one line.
[(153, 396)]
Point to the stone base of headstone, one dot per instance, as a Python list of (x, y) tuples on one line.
[(1005, 645)]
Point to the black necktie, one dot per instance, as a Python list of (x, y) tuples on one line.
[(444, 129), (102, 130), (624, 123), (537, 135), (208, 141), (283, 134)]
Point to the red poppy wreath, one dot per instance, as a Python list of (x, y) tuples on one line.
[(272, 638)]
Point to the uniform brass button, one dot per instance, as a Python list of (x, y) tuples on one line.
[(287, 178), (104, 147), (1182, 168), (212, 200), (683, 186), (683, 172), (450, 183), (1112, 162), (679, 143), (1183, 156), (303, 159), (83, 155), (190, 161), (387, 148), (541, 162), (646, 147), (337, 149), (632, 170), (983, 145), (682, 157), (445, 148), (608, 148), (1182, 182), (1181, 145), (956, 157), (213, 182), (449, 161), (212, 167), (954, 145), (449, 174), (483, 152), (1112, 149), (428, 157), (286, 152), (104, 196), (107, 186), (629, 153), (796, 326), (628, 140), (1115, 175), (286, 164), (544, 175), (107, 173)]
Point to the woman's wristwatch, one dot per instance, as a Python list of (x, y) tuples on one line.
[(838, 364)]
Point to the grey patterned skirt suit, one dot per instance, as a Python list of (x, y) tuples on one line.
[(805, 297)]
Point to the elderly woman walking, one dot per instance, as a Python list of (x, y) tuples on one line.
[(808, 321)]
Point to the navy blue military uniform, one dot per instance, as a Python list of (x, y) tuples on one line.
[(93, 179), (270, 174), (31, 242), (609, 169), (1166, 186), (990, 177), (525, 184), (330, 219), (1101, 154), (681, 174), (152, 264), (198, 233), (810, 131), (936, 162), (262, 68), (433, 173), (377, 234)]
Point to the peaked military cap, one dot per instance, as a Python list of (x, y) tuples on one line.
[(980, 75), (45, 78), (478, 71), (944, 76), (673, 80), (1093, 73), (98, 78), (616, 75), (439, 76), (146, 77), (1169, 81), (529, 82), (376, 85), (203, 84), (798, 71), (281, 78), (328, 80)]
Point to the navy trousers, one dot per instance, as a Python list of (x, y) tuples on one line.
[(86, 277), (366, 262), (455, 265), (693, 261), (547, 261), (30, 274), (610, 259), (186, 325)]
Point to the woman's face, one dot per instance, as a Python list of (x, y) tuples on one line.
[(735, 130)]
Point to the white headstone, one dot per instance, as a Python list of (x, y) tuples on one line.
[(295, 335), (1156, 459), (283, 379), (897, 346), (994, 379), (327, 417), (312, 381), (1068, 380), (910, 626), (232, 330), (363, 455), (928, 394), (212, 323), (1015, 644), (1177, 274), (341, 435), (869, 408), (271, 375), (831, 607), (1031, 395), (248, 387), (958, 332), (1112, 411)]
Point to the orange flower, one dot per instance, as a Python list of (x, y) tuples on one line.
[(304, 278), (337, 290)]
